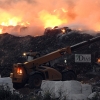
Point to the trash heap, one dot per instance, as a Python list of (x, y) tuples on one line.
[(12, 47)]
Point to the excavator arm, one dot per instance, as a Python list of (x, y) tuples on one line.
[(49, 57), (56, 54)]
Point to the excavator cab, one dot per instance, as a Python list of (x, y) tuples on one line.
[(31, 55)]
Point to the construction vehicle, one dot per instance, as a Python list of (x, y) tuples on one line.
[(34, 71)]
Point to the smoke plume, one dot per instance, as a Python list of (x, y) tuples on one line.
[(39, 14)]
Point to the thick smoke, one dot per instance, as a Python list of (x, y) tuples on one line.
[(82, 14)]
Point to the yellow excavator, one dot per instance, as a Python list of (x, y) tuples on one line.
[(34, 71)]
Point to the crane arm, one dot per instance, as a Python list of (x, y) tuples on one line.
[(48, 57), (56, 54)]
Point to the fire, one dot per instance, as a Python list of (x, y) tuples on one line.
[(47, 19), (82, 14), (52, 19), (7, 19), (13, 21), (7, 23), (10, 22), (97, 27), (0, 30), (64, 10), (79, 29), (63, 30)]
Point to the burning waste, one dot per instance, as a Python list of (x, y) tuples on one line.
[(30, 17)]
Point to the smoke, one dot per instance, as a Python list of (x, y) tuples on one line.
[(88, 13), (82, 14)]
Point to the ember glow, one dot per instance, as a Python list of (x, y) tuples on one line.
[(0, 30), (63, 30), (31, 17)]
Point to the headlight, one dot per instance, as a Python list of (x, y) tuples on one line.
[(24, 54), (19, 71), (65, 61), (98, 60)]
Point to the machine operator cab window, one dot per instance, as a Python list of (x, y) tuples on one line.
[(31, 55)]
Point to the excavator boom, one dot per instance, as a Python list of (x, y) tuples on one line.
[(84, 43), (56, 54), (33, 73)]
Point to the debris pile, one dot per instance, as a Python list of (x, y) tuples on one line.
[(12, 47)]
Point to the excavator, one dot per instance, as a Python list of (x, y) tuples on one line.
[(34, 71)]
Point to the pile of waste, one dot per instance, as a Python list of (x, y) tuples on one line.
[(12, 47)]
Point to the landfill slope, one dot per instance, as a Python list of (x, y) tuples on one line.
[(12, 47)]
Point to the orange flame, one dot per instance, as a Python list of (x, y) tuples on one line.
[(80, 14), (63, 30), (51, 20), (6, 20), (0, 30), (48, 19), (36, 16)]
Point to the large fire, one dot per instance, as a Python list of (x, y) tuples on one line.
[(47, 20), (24, 17), (8, 22), (54, 18)]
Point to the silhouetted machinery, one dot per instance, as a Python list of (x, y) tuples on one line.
[(34, 71)]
